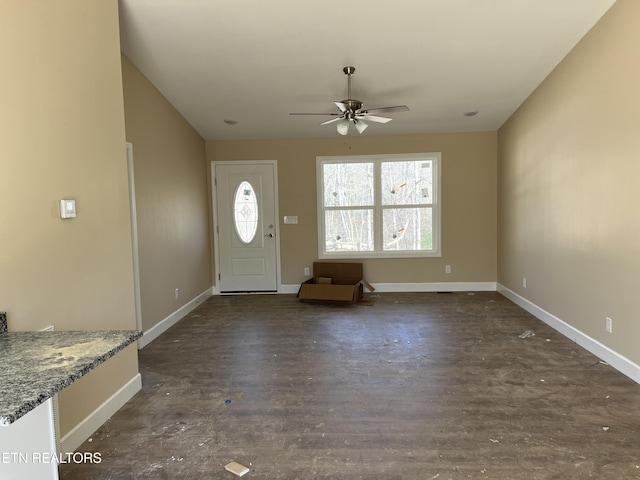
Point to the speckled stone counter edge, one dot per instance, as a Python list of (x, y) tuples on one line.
[(8, 418), (3, 322)]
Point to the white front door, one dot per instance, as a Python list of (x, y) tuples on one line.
[(246, 226)]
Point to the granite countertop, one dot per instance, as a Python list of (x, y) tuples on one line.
[(34, 366)]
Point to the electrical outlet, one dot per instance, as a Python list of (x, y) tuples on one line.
[(306, 271), (524, 282), (608, 324), (177, 293), (447, 269)]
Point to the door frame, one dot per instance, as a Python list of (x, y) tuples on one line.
[(134, 236), (214, 212)]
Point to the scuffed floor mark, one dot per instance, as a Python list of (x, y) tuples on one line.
[(152, 468)]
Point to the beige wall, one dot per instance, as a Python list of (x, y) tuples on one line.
[(172, 199), (568, 187), (62, 124), (468, 201)]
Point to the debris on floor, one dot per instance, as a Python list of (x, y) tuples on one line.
[(236, 468), (527, 334)]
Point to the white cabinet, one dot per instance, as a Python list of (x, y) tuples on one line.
[(28, 446)]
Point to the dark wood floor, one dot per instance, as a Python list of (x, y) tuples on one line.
[(419, 386)]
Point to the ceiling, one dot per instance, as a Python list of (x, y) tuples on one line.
[(255, 61)]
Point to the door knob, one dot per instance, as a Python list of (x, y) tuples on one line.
[(270, 235)]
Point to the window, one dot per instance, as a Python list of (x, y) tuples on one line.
[(245, 212), (379, 206)]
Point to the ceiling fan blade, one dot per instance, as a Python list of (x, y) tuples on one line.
[(374, 118), (342, 106), (315, 114), (340, 117), (396, 108)]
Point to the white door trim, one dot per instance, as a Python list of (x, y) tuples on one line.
[(216, 250), (134, 236)]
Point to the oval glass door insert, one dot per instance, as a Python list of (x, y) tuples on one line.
[(245, 212)]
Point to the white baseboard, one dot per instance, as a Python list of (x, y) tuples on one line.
[(162, 326), (436, 287), (76, 437), (617, 361), (289, 289), (419, 287)]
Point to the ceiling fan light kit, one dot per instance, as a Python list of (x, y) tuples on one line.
[(343, 127), (360, 126), (351, 111)]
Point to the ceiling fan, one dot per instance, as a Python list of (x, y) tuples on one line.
[(351, 111)]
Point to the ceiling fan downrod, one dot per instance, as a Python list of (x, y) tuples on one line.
[(352, 105), (348, 71)]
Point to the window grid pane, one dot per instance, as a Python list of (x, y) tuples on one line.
[(349, 230), (348, 184), (407, 229), (407, 183)]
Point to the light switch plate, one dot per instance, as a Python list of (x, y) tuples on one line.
[(67, 208), (291, 219)]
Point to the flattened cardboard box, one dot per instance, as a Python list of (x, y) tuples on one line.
[(346, 284)]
